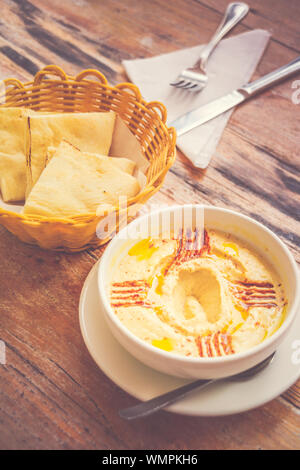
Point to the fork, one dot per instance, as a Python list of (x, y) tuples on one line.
[(195, 78), (149, 407)]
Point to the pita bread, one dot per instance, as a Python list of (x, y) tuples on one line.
[(12, 177), (75, 183), (90, 132), (13, 124), (12, 153), (123, 164)]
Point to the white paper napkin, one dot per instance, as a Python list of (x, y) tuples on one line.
[(230, 66)]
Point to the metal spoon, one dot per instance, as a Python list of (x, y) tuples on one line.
[(149, 407)]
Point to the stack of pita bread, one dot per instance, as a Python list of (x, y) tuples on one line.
[(59, 164)]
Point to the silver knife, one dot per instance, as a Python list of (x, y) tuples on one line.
[(192, 119)]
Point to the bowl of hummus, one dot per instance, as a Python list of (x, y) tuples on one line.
[(197, 291)]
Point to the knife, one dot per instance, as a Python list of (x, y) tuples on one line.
[(192, 119)]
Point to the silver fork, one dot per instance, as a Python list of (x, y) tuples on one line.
[(149, 407), (195, 78)]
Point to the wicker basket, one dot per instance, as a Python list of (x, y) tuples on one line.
[(53, 90)]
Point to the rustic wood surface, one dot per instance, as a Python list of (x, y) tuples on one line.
[(52, 395)]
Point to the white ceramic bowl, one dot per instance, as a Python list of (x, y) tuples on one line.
[(246, 229)]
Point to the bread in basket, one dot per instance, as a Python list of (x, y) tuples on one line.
[(53, 90)]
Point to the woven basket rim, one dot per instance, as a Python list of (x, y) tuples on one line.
[(86, 218)]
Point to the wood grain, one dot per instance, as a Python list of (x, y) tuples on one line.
[(52, 394)]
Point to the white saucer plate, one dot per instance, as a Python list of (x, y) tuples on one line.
[(142, 382)]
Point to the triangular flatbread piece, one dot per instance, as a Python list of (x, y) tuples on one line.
[(75, 183), (123, 164), (12, 156), (13, 125), (12, 177), (90, 132)]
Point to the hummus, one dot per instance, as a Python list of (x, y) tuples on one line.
[(218, 299)]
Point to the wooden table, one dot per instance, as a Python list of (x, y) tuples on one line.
[(52, 394)]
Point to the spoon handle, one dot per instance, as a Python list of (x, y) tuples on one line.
[(151, 406)]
